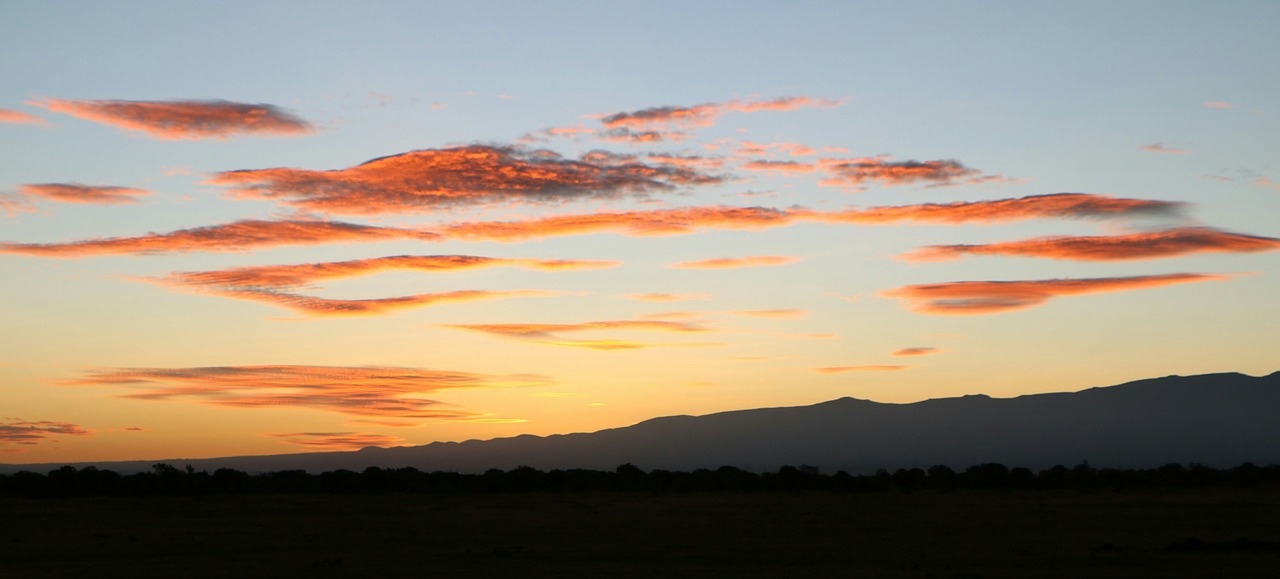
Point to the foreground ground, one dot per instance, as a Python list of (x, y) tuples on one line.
[(967, 534)]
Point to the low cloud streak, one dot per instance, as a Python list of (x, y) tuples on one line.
[(989, 297), (183, 119)]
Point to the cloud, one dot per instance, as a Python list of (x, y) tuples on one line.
[(237, 236), (253, 234), (705, 115), (864, 368), (433, 179), (22, 432), (779, 166), (1218, 105), (183, 119), (77, 193), (363, 391), (750, 149), (318, 306), (989, 297), (917, 351), (785, 314), (336, 440), (546, 334), (1054, 205), (21, 118), (12, 205), (855, 173), (1159, 244), (1159, 148), (736, 262), (278, 276), (634, 223), (666, 297)]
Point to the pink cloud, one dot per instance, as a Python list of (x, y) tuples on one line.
[(27, 433), (1159, 244), (21, 118), (336, 441), (432, 179), (77, 193), (1159, 148), (183, 119), (916, 351), (863, 368), (363, 391), (989, 297), (736, 262)]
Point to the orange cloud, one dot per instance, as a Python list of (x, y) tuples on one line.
[(989, 297), (276, 276), (917, 351), (336, 440), (854, 173), (317, 306), (780, 166), (546, 333), (365, 391), (665, 297), (12, 205), (1170, 243), (77, 193), (237, 236), (633, 223), (27, 433), (432, 179), (21, 118), (775, 314), (736, 262), (1159, 148), (1056, 205), (183, 119), (864, 368), (705, 115), (750, 149)]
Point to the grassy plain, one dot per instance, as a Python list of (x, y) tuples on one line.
[(962, 534)]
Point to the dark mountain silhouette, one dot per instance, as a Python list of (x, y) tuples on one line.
[(1218, 420)]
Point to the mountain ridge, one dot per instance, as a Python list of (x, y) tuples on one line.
[(1220, 420)]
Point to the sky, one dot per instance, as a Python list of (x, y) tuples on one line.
[(259, 228)]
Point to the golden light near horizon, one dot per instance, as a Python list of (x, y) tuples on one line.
[(415, 223)]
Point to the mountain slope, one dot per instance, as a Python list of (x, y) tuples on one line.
[(1218, 420)]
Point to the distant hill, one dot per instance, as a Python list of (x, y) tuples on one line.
[(1218, 420)]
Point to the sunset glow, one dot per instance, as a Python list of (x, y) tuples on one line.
[(259, 229)]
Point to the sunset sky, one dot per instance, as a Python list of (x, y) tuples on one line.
[(257, 228)]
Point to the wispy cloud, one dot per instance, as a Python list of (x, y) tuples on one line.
[(736, 262), (336, 440), (705, 115), (433, 179), (546, 334), (20, 118), (989, 297), (668, 297), (1053, 205), (78, 193), (183, 119), (255, 234), (863, 368), (1218, 105), (329, 307), (230, 237), (780, 314), (854, 174), (365, 391), (771, 166), (29, 433), (11, 205), (278, 276), (634, 223), (916, 351), (1159, 148), (1159, 244)]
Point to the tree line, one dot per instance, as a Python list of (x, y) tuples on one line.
[(166, 480)]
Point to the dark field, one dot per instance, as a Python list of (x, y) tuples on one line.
[(969, 533)]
